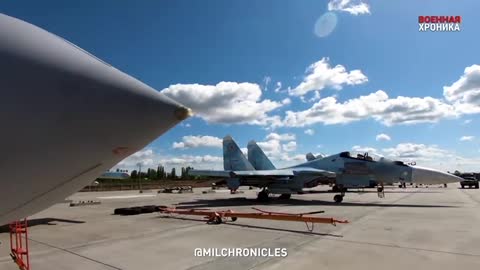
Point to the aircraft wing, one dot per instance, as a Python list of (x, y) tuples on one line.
[(285, 172), (210, 173), (263, 173)]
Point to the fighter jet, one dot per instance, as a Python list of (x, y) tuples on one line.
[(348, 170), (66, 118)]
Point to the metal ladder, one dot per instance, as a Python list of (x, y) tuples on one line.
[(19, 244)]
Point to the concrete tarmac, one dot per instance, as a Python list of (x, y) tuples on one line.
[(413, 228)]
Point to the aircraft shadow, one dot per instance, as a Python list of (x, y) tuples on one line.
[(205, 203), (252, 226), (42, 221), (367, 191)]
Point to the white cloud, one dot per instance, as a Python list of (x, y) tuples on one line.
[(364, 149), (382, 137), (309, 131), (147, 158), (279, 87), (467, 121), (321, 75), (188, 125), (388, 111), (279, 146), (415, 151), (465, 92), (190, 160), (354, 7), (266, 82), (467, 138), (197, 141), (226, 102), (290, 146), (280, 137), (144, 158)]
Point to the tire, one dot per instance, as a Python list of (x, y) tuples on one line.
[(338, 198), (217, 220), (262, 196), (463, 186), (148, 209), (119, 211), (285, 196), (476, 186)]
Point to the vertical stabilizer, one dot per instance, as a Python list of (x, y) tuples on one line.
[(233, 158), (257, 157)]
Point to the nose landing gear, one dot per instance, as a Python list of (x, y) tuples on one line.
[(339, 197), (263, 195)]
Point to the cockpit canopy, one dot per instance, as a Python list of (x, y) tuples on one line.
[(370, 157), (363, 156)]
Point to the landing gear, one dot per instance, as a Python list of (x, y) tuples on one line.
[(285, 196), (380, 191), (263, 196), (338, 198)]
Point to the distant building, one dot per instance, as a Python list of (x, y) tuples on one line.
[(114, 175)]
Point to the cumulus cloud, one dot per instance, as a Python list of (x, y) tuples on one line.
[(147, 158), (197, 141), (467, 138), (416, 151), (465, 92), (382, 137), (388, 111), (290, 146), (280, 137), (309, 131), (279, 146), (226, 102), (142, 158), (364, 149), (189, 160), (354, 7), (321, 75)]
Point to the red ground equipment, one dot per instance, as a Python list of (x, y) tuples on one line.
[(19, 244), (218, 217)]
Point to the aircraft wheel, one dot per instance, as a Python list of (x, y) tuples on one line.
[(338, 198), (262, 196), (285, 196), (217, 220)]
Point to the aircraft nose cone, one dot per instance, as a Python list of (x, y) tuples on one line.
[(428, 176), (71, 116)]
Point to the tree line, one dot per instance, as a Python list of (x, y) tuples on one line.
[(160, 174)]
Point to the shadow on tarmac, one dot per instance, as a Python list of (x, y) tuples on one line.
[(230, 223), (202, 203), (42, 221)]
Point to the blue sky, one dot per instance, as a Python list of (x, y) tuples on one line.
[(188, 48)]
